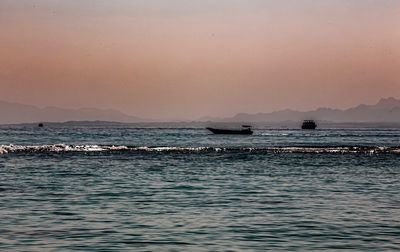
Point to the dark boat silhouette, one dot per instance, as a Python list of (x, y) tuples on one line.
[(309, 124), (40, 125), (246, 130)]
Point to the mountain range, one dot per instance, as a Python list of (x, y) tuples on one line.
[(386, 110), (20, 113)]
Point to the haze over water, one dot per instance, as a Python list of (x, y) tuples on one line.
[(188, 59)]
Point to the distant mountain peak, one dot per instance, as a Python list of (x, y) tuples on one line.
[(388, 103)]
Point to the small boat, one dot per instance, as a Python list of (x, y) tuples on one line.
[(40, 125), (309, 124), (246, 130)]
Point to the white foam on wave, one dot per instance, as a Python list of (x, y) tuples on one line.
[(275, 134), (169, 149), (56, 148)]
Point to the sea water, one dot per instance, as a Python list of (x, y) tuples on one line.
[(125, 188)]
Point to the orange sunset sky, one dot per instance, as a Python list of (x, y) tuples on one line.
[(187, 59)]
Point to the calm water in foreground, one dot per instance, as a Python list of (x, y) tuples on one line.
[(133, 189)]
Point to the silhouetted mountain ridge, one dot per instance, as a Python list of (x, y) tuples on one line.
[(21, 113), (385, 110)]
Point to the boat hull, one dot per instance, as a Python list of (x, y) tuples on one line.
[(230, 132), (309, 127)]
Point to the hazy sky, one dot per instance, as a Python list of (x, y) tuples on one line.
[(187, 59)]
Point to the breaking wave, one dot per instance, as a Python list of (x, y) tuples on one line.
[(60, 148)]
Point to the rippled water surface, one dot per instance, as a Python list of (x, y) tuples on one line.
[(136, 189)]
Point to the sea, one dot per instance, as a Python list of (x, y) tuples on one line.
[(130, 188)]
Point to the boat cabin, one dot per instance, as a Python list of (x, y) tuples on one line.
[(309, 124)]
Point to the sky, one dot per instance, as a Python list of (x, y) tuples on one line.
[(179, 59)]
